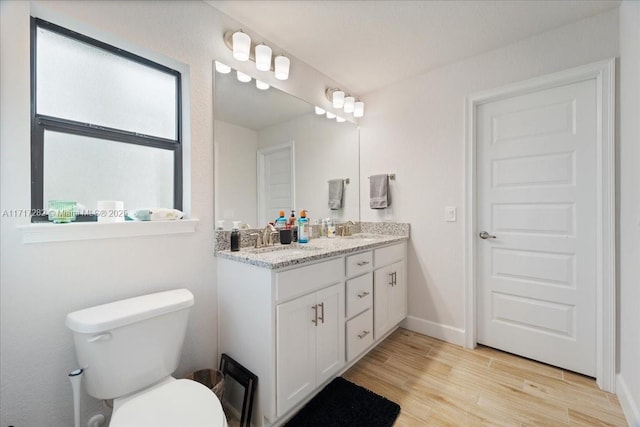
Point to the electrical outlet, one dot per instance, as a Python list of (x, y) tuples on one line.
[(450, 213)]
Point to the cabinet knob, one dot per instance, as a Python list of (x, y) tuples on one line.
[(362, 294), (361, 263)]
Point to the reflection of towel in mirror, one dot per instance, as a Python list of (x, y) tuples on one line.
[(379, 197), (336, 189)]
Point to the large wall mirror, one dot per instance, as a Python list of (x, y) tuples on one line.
[(272, 153)]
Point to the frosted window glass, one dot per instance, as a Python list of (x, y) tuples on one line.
[(85, 170), (80, 82)]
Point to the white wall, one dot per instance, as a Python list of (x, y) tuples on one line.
[(41, 283), (235, 169), (628, 388), (416, 130), (324, 150)]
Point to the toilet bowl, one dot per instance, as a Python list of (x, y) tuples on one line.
[(172, 403), (129, 349)]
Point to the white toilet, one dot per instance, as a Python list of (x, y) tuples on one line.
[(129, 349)]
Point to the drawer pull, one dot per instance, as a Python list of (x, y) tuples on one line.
[(363, 334), (361, 263), (393, 278), (321, 316), (315, 311), (362, 294)]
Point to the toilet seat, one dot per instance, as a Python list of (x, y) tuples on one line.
[(177, 403)]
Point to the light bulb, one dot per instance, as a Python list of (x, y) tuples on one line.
[(282, 64), (241, 46), (222, 68), (263, 57), (261, 85), (320, 111), (338, 99), (340, 119), (349, 102), (330, 115), (358, 110), (244, 78)]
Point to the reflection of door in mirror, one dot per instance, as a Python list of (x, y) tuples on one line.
[(276, 190)]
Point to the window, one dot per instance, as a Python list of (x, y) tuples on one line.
[(106, 124)]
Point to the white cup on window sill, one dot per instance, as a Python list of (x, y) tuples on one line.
[(110, 211)]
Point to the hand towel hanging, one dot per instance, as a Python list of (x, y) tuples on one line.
[(336, 190), (379, 195)]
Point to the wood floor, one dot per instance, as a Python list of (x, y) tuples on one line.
[(438, 384)]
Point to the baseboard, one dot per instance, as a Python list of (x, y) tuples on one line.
[(629, 407), (436, 330)]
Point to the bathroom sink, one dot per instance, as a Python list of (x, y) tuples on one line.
[(363, 237)]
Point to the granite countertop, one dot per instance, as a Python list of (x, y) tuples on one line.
[(279, 256)]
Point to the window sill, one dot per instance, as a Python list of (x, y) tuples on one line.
[(47, 232)]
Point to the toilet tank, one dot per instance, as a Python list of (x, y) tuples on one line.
[(127, 345)]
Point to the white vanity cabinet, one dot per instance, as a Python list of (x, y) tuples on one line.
[(298, 326), (389, 288)]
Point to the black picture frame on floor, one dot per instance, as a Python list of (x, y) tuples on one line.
[(244, 377)]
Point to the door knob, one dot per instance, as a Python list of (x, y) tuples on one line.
[(485, 235)]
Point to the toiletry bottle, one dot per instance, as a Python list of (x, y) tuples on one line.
[(235, 236), (281, 221), (293, 222), (303, 228), (331, 228)]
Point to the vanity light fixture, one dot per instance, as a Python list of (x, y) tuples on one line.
[(244, 78), (358, 109), (263, 57), (340, 100), (349, 104), (261, 85), (282, 65), (320, 111), (330, 115), (241, 46), (222, 68), (243, 50), (340, 119)]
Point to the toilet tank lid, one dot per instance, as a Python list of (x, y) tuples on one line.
[(104, 317)]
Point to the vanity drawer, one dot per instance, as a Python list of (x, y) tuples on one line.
[(359, 263), (388, 255), (302, 280), (359, 294), (359, 334)]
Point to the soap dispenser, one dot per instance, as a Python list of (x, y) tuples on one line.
[(303, 228), (235, 236), (281, 221)]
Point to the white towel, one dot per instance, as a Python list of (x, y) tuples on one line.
[(336, 187), (379, 197)]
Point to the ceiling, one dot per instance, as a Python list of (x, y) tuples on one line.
[(368, 45), (242, 104)]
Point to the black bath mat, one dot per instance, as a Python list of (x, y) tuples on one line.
[(344, 404)]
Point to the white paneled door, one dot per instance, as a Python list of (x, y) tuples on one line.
[(537, 225), (275, 182)]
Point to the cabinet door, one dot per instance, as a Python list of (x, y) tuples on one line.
[(330, 355), (389, 298), (382, 284), (397, 296), (295, 351)]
